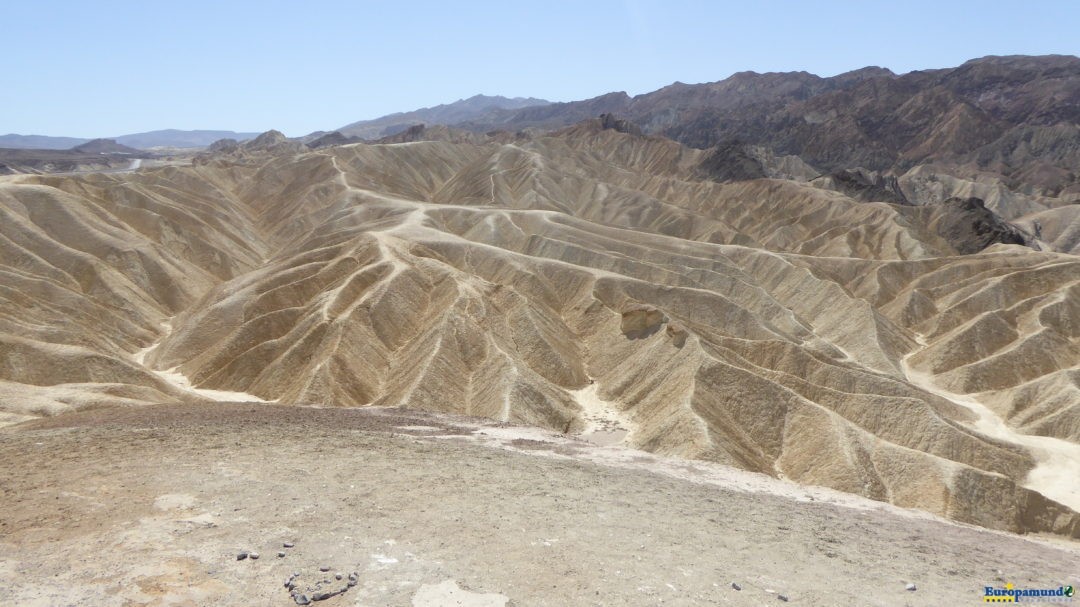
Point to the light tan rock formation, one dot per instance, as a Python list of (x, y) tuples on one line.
[(765, 324)]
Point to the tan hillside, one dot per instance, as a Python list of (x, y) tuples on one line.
[(583, 281)]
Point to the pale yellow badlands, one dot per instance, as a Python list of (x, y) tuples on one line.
[(586, 282)]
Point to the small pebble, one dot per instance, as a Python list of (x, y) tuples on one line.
[(782, 597), (324, 569), (337, 576), (352, 582), (910, 587), (254, 556), (241, 556), (301, 599), (321, 596), (288, 544), (736, 586), (280, 554), (353, 576)]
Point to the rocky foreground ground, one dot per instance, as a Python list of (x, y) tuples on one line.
[(154, 506)]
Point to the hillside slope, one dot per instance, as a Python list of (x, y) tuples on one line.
[(586, 278)]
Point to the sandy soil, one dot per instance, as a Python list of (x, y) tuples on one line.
[(150, 506), (604, 423)]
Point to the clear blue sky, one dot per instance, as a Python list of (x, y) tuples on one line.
[(106, 68)]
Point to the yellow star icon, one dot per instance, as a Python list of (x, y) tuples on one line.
[(1009, 586)]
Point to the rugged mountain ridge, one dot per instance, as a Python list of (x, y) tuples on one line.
[(1015, 116)]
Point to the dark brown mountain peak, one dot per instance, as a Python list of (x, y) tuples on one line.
[(610, 121), (967, 225), (863, 185), (731, 161), (104, 146), (331, 139), (865, 73), (267, 139)]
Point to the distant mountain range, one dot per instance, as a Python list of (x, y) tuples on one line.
[(478, 108), (1017, 116), (171, 138)]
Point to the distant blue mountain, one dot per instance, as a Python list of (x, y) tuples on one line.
[(39, 142), (179, 139), (463, 110), (167, 138)]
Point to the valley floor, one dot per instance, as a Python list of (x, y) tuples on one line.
[(151, 505)]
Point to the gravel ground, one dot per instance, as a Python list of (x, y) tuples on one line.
[(152, 505)]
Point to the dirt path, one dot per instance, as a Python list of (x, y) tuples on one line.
[(179, 380), (1057, 467), (150, 506)]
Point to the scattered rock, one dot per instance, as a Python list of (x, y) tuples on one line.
[(301, 599), (354, 576), (337, 576), (280, 554), (322, 596), (254, 556), (241, 556), (735, 586), (782, 597), (324, 569), (910, 587), (640, 321), (677, 334), (288, 544)]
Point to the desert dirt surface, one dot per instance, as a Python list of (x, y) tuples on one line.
[(152, 505)]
